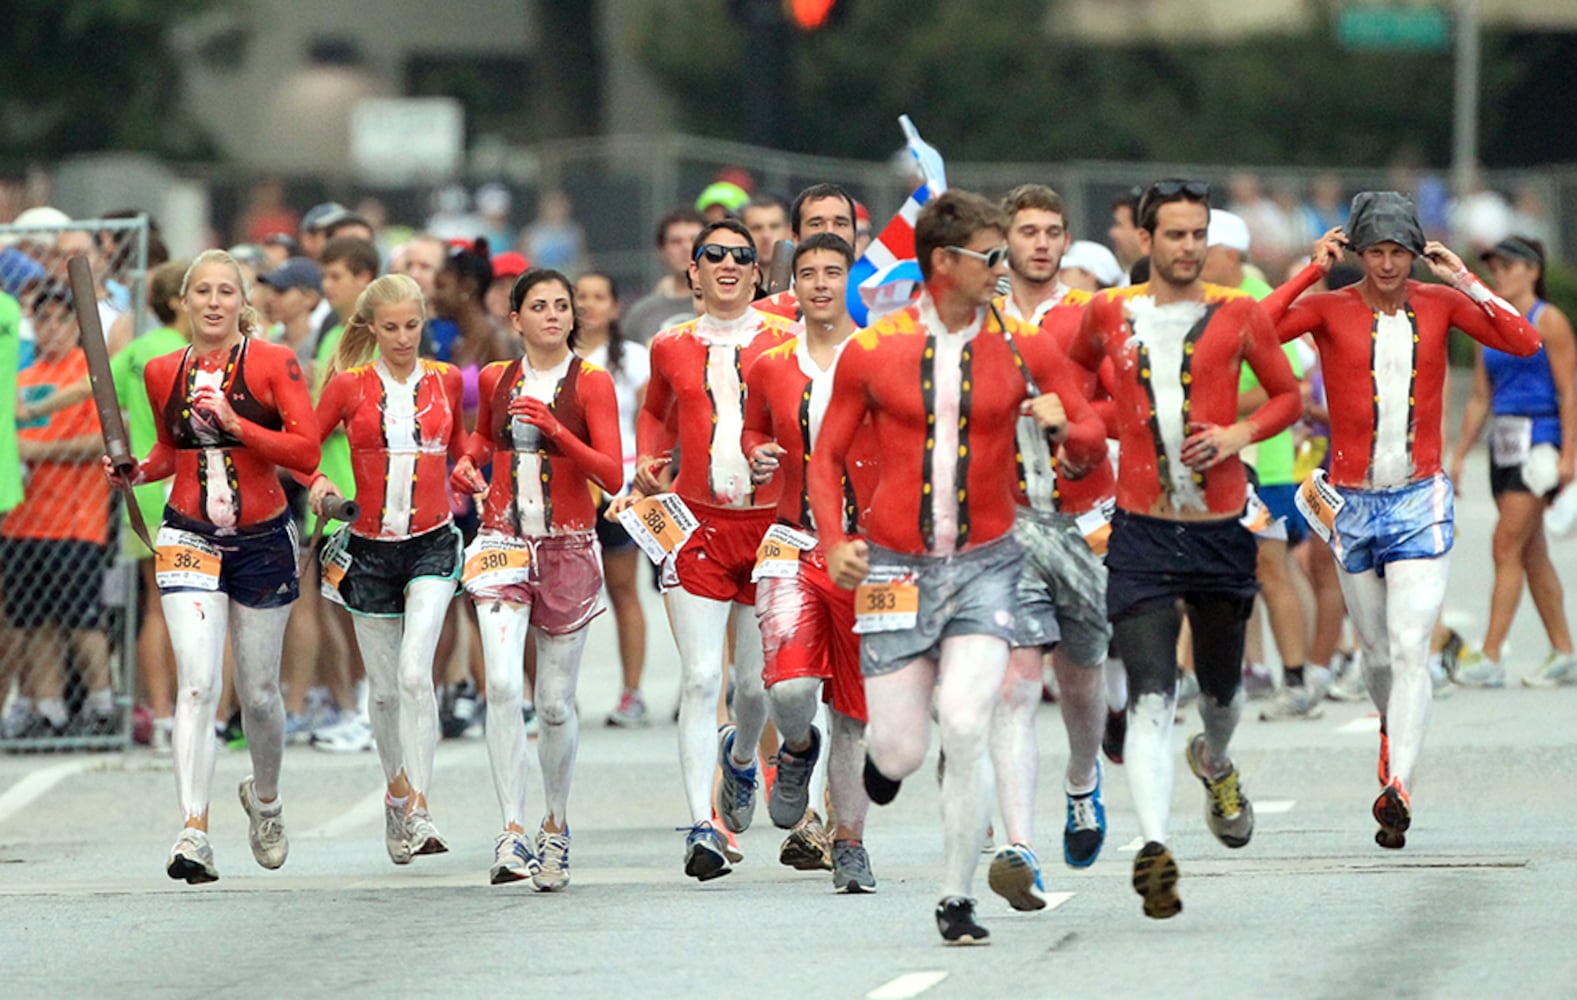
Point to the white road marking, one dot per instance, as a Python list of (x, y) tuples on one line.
[(1362, 724), (1132, 845), (1056, 899), (1272, 806), (910, 984), (360, 814), (27, 791)]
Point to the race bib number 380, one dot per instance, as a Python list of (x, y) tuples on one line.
[(659, 524), (185, 560), (886, 602), (496, 560)]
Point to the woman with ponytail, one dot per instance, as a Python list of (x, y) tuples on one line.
[(395, 569), (231, 410)]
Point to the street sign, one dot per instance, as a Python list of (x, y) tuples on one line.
[(406, 140), (1409, 29)]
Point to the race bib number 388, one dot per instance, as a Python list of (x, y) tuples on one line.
[(659, 524), (185, 560)]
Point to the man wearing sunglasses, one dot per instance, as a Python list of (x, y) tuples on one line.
[(820, 208), (1386, 509), (937, 565), (1176, 345), (697, 396), (1062, 590)]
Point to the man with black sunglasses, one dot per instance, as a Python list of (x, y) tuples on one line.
[(1176, 345), (936, 567), (696, 398)]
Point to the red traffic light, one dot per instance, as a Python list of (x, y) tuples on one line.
[(809, 15)]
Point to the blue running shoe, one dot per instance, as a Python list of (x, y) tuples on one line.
[(1015, 876), (736, 793), (704, 859), (1085, 831)]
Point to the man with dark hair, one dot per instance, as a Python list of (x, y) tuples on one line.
[(942, 383), (1387, 507), (820, 208), (351, 224), (1176, 344), (696, 400), (670, 301), (1124, 231), (767, 218)]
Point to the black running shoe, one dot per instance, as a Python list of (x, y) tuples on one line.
[(878, 786), (1116, 733), (1394, 814), (1155, 879), (955, 918)]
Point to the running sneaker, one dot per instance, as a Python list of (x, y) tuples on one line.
[(630, 712), (1479, 671), (1440, 684), (736, 793), (1228, 812), (299, 728), (955, 918), (396, 832), (731, 849), (353, 734), (1116, 734), (1350, 685), (1451, 652), (1085, 830), (459, 710), (881, 789), (789, 797), (192, 858), (1258, 682), (552, 872), (1558, 668), (1187, 688), (704, 859), (1301, 702), (1155, 879), (423, 834), (230, 733), (512, 859), (265, 827), (1015, 876), (807, 848), (851, 868), (1394, 813), (17, 719)]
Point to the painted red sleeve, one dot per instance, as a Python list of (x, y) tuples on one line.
[(1264, 355), (652, 435), (758, 414), (602, 460), (480, 446), (1278, 302), (296, 445), (1494, 325), (454, 389), (158, 379)]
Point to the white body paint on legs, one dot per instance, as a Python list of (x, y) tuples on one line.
[(969, 679), (426, 605), (1415, 592), (503, 626), (1015, 752), (379, 641), (793, 703), (1147, 757), (1365, 596), (1116, 684), (558, 671), (698, 624), (197, 632), (750, 694), (259, 638), (1081, 694), (845, 772)]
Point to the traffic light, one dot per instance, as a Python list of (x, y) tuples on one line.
[(813, 15)]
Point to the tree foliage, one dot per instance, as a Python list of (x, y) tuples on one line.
[(81, 75), (999, 81)]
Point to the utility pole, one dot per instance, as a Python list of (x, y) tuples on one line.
[(1464, 138)]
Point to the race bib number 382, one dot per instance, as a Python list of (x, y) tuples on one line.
[(185, 560)]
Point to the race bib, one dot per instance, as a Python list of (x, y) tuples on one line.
[(1095, 525), (1319, 503), (494, 560), (888, 600), (186, 560), (659, 524), (1510, 440), (1256, 516), (335, 560), (777, 558)]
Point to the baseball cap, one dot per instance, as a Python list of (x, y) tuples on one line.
[(731, 196), (38, 216), (295, 272), (18, 270), (322, 216), (1227, 229), (509, 264), (1090, 256), (1514, 248)]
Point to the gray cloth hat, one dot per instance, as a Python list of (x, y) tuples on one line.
[(1382, 216)]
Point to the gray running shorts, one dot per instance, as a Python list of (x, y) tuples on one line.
[(1062, 588)]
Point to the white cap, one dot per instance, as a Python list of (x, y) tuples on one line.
[(1227, 230), (41, 215), (1096, 259)]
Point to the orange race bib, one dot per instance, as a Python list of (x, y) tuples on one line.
[(888, 600), (495, 560), (1095, 525), (778, 555), (659, 524), (1319, 503), (334, 562), (1256, 516), (185, 560)]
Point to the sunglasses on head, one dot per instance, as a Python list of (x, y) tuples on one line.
[(1162, 191), (715, 252), (991, 258)]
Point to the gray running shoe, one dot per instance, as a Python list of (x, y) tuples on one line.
[(851, 868), (790, 796), (736, 793), (1300, 702), (552, 872), (1479, 671), (265, 827), (423, 834), (192, 858), (1228, 812), (396, 833)]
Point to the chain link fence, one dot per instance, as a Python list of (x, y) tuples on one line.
[(67, 594)]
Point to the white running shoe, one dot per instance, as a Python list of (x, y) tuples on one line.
[(423, 834), (512, 859), (192, 858), (396, 834), (352, 735), (552, 872), (265, 827), (1558, 668), (1478, 670)]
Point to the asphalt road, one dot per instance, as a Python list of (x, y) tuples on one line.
[(1479, 904)]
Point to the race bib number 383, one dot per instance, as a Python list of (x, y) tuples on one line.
[(659, 524), (186, 560), (886, 602)]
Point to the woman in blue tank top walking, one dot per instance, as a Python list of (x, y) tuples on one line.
[(1531, 407)]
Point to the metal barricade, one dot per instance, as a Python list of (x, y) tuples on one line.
[(67, 594)]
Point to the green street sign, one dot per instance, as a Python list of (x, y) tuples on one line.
[(1412, 29)]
